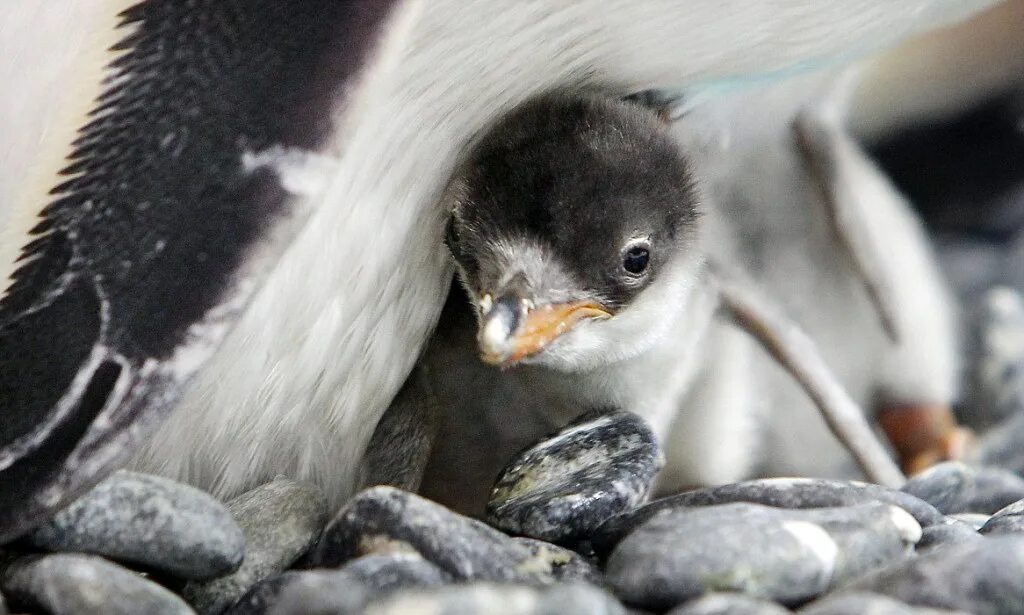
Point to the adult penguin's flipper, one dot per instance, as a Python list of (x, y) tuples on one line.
[(181, 190)]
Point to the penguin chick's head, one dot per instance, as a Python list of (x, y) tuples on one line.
[(571, 225)]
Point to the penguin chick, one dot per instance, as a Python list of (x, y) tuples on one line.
[(580, 231), (573, 228)]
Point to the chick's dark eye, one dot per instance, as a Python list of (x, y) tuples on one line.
[(636, 259)]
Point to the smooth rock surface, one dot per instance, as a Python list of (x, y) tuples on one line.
[(75, 584), (975, 520), (1009, 520), (567, 485), (480, 598), (384, 519), (982, 577), (940, 535), (148, 520), (565, 565), (1000, 446), (280, 521), (345, 590), (954, 487), (729, 604), (995, 358), (867, 603), (787, 493), (783, 555)]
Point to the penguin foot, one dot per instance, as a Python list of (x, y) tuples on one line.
[(924, 435)]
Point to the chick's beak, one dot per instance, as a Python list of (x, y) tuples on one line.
[(512, 329)]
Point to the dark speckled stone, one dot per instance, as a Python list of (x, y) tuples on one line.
[(74, 584), (152, 521), (385, 519), (564, 487), (565, 565)]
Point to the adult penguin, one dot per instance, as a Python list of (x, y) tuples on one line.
[(249, 207)]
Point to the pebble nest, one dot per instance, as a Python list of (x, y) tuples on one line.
[(569, 529)]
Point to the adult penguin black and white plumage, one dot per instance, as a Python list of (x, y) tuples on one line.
[(250, 209)]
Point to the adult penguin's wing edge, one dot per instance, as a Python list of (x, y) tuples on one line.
[(200, 160)]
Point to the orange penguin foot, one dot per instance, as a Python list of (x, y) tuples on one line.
[(924, 435)]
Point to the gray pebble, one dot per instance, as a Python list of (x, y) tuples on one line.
[(995, 348), (562, 488), (280, 520), (387, 572), (953, 533), (385, 518), (74, 584), (784, 555), (340, 591), (954, 487), (479, 598), (982, 577), (1009, 520), (975, 520), (729, 604), (867, 603), (565, 565), (789, 493), (148, 520), (1000, 446)]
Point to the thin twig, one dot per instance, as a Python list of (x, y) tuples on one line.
[(819, 150), (798, 354)]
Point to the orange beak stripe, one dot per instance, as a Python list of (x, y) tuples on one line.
[(543, 325)]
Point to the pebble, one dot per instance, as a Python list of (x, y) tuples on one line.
[(1009, 520), (729, 604), (787, 493), (280, 520), (565, 564), (148, 520), (954, 487), (995, 347), (867, 603), (982, 577), (564, 487), (75, 584), (784, 555), (975, 520), (940, 535), (1000, 446), (475, 599), (384, 518), (344, 590)]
